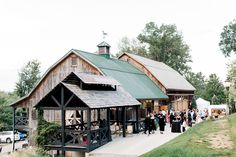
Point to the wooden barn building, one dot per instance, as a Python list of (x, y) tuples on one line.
[(174, 85), (65, 93)]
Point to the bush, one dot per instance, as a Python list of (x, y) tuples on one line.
[(45, 131)]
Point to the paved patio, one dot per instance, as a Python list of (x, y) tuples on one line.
[(133, 145)]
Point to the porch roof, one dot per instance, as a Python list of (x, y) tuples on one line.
[(92, 98), (103, 99)]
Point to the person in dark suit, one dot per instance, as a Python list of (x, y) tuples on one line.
[(147, 124)]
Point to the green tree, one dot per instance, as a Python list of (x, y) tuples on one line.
[(198, 81), (6, 110), (228, 39), (131, 46), (165, 44), (28, 77), (231, 76), (215, 90)]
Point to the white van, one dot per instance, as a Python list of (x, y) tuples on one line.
[(7, 136)]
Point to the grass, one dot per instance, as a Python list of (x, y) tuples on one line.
[(194, 142), (29, 152)]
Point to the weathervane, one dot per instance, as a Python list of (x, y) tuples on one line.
[(104, 35)]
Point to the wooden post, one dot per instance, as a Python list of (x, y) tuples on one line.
[(82, 119), (62, 121), (108, 124), (13, 128), (137, 119), (98, 114), (88, 128), (117, 116), (124, 121)]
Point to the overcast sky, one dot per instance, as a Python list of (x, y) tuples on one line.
[(47, 29)]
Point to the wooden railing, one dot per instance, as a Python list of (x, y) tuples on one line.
[(89, 139), (21, 121), (76, 138), (99, 137)]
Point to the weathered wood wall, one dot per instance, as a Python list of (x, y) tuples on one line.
[(141, 67), (54, 76)]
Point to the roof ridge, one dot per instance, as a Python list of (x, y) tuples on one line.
[(168, 68), (110, 59), (84, 52)]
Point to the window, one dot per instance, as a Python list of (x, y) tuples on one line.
[(73, 61)]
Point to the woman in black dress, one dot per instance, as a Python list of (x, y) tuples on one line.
[(162, 123)]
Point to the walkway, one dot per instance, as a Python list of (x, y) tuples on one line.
[(7, 148), (133, 145)]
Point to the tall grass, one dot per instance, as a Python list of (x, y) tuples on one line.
[(193, 143)]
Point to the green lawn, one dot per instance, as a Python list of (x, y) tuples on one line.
[(195, 142)]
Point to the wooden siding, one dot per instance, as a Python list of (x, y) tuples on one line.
[(173, 94), (143, 69), (50, 80)]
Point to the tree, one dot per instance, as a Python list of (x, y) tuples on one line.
[(6, 110), (198, 81), (228, 39), (131, 46), (231, 76), (165, 44), (214, 90), (28, 77)]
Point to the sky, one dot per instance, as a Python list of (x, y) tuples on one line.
[(48, 29)]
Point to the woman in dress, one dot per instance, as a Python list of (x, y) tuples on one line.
[(162, 123)]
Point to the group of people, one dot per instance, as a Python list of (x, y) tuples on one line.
[(153, 120), (186, 119)]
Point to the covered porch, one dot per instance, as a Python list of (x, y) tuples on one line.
[(89, 100)]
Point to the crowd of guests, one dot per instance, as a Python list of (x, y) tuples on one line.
[(186, 118), (155, 120)]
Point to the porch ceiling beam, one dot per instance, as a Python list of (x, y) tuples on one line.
[(76, 108), (67, 108), (55, 100), (50, 108)]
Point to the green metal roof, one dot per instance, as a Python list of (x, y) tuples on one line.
[(133, 80)]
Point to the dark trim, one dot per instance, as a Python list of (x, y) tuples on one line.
[(117, 115), (69, 100), (66, 148), (108, 124), (82, 119), (67, 108), (98, 114), (124, 121), (62, 121), (13, 128), (49, 108), (137, 119), (89, 129), (76, 108), (55, 100)]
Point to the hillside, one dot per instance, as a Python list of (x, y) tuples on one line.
[(208, 139)]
